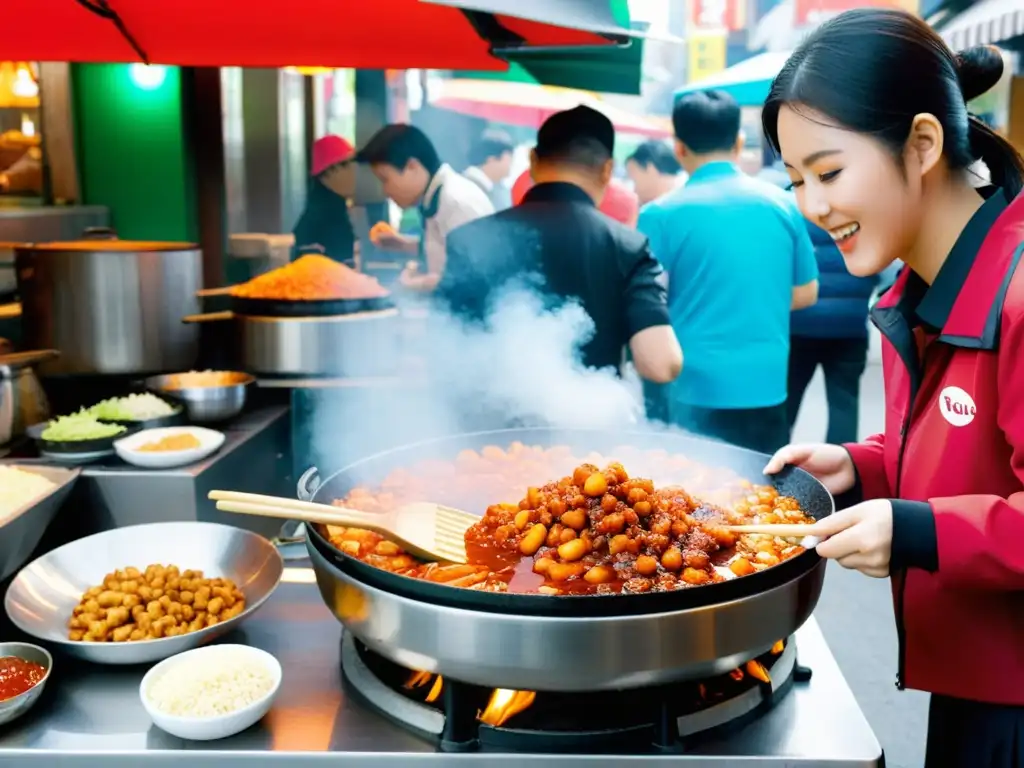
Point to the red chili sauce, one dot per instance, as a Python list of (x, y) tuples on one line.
[(18, 676)]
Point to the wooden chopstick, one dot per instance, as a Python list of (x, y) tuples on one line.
[(270, 501), (781, 530), (294, 509), (341, 518)]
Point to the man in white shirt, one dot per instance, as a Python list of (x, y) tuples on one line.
[(490, 160), (409, 169)]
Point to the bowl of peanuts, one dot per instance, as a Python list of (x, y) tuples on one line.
[(143, 593)]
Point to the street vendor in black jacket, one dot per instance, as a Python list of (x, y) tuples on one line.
[(558, 237)]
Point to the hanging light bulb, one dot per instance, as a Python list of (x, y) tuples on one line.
[(24, 85), (148, 76)]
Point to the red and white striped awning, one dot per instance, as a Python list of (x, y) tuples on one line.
[(986, 22)]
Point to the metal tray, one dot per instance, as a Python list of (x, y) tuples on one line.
[(21, 533)]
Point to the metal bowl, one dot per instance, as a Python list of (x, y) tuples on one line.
[(205, 405), (43, 595), (11, 709)]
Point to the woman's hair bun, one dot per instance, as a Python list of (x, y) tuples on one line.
[(979, 69)]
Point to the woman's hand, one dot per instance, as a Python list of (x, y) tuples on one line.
[(831, 464), (860, 537)]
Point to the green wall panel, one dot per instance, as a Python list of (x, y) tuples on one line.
[(132, 151)]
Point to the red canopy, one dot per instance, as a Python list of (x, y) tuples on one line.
[(366, 34)]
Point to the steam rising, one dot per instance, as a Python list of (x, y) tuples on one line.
[(520, 367)]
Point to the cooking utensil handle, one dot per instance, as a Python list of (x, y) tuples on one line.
[(340, 517), (208, 317), (308, 484), (224, 290), (298, 508), (28, 358), (781, 530)]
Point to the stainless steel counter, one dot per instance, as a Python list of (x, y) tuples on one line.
[(255, 458), (91, 717)]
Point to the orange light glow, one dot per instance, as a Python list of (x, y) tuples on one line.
[(779, 647), (505, 704), (736, 674), (757, 671)]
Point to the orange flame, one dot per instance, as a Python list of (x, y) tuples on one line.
[(420, 679), (504, 704), (757, 671), (417, 680), (435, 689), (736, 674), (779, 647)]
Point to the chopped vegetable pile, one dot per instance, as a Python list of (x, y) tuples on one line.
[(132, 408), (79, 427)]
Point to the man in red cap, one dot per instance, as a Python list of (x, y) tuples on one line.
[(556, 233), (325, 226)]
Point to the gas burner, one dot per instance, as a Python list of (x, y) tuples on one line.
[(460, 717)]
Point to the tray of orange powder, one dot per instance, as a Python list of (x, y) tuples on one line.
[(311, 286)]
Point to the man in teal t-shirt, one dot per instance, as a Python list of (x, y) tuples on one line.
[(738, 260)]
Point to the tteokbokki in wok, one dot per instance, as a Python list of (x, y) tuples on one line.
[(632, 521)]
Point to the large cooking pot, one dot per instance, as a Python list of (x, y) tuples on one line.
[(567, 643), (110, 306), (22, 399)]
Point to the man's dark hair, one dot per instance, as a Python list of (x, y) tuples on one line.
[(580, 136), (396, 144), (491, 144), (707, 121), (656, 153)]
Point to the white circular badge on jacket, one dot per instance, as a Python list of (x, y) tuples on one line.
[(956, 406)]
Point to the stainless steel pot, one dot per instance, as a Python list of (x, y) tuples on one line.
[(110, 306), (353, 346), (360, 345), (22, 399), (567, 643)]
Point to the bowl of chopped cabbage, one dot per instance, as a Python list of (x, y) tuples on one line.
[(143, 410), (79, 433)]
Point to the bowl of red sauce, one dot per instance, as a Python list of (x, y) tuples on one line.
[(24, 670)]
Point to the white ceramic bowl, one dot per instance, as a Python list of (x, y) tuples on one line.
[(221, 726), (128, 447)]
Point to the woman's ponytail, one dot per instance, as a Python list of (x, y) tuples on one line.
[(1004, 163)]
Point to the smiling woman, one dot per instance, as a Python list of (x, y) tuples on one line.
[(871, 120)]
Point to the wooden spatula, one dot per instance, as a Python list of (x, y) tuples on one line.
[(426, 530), (782, 530)]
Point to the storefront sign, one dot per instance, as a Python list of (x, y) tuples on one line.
[(814, 12), (706, 55), (718, 15)]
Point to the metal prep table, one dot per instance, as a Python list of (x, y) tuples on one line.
[(91, 716), (255, 457)]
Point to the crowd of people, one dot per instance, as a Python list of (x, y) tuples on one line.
[(758, 281), (696, 256)]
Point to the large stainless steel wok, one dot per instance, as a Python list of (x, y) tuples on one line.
[(567, 643)]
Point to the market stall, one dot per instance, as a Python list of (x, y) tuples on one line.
[(391, 661)]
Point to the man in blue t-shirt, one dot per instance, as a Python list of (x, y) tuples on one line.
[(739, 260)]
